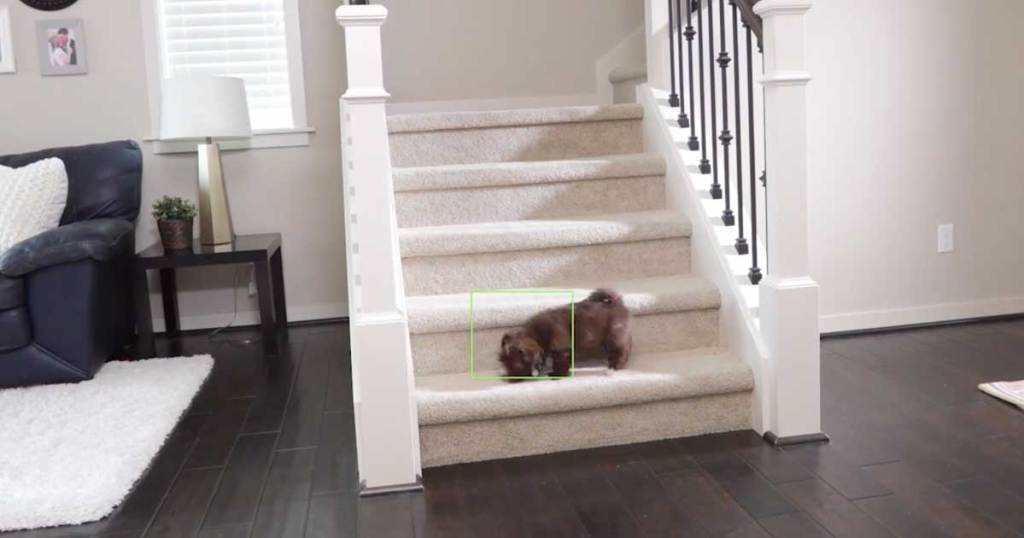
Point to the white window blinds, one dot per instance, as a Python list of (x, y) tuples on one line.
[(238, 38)]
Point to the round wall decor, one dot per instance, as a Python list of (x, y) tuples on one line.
[(48, 5)]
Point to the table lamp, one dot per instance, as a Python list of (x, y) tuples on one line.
[(209, 109)]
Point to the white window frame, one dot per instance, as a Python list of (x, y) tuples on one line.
[(262, 138)]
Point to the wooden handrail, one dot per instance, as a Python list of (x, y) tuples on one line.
[(751, 19)]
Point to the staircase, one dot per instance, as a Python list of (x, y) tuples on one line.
[(560, 198)]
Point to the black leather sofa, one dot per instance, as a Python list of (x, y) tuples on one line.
[(65, 294)]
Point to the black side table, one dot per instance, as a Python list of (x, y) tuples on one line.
[(262, 250)]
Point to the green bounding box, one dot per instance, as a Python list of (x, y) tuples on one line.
[(568, 294)]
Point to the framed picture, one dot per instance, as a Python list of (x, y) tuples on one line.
[(6, 41), (61, 47)]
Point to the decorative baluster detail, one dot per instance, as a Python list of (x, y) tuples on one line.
[(716, 187), (683, 119), (673, 97), (693, 143), (741, 241), (755, 270), (705, 165), (728, 218)]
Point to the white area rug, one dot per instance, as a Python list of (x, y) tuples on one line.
[(71, 453)]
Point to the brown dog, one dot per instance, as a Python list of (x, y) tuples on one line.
[(602, 323)]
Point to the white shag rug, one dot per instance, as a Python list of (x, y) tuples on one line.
[(70, 453)]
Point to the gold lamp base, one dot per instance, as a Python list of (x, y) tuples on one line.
[(214, 213)]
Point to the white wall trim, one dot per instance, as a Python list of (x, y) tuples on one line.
[(275, 138), (915, 315), (539, 101)]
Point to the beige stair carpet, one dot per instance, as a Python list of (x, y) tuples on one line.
[(551, 200)]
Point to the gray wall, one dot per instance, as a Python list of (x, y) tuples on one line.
[(446, 50), (916, 120)]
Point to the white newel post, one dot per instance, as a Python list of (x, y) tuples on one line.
[(387, 433), (788, 295)]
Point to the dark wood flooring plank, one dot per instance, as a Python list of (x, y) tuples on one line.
[(542, 503), (900, 518), (933, 502), (386, 516), (339, 377), (644, 497), (664, 456), (285, 501), (333, 515), (183, 510), (778, 466), (750, 530), (696, 494), (233, 531), (596, 502), (336, 464), (219, 433), (238, 494), (989, 498), (271, 401), (794, 525), (750, 490), (305, 408), (851, 480), (839, 516), (443, 509)]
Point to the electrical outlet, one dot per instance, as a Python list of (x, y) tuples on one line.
[(945, 238)]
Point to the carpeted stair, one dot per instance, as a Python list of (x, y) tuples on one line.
[(560, 199)]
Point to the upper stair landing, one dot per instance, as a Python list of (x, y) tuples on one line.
[(515, 135)]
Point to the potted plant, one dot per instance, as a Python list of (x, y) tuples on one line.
[(174, 219)]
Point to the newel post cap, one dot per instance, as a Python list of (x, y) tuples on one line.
[(361, 15), (770, 8)]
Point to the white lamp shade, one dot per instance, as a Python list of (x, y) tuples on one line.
[(204, 106)]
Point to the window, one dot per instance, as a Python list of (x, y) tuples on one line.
[(255, 40)]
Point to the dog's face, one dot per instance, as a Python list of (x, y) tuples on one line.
[(521, 355)]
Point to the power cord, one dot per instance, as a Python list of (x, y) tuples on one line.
[(213, 337)]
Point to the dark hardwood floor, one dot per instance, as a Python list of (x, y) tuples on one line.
[(267, 450)]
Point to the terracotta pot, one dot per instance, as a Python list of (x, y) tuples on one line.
[(176, 235)]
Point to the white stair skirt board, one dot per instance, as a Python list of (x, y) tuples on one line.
[(70, 453), (558, 199)]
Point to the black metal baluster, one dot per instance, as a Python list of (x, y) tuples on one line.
[(755, 271), (741, 241), (728, 218), (683, 119), (716, 187), (673, 98), (705, 165), (693, 143)]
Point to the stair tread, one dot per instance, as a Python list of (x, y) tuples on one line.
[(476, 175), (671, 375), (476, 238), (643, 296), (441, 121)]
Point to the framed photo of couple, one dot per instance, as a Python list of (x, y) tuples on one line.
[(61, 47)]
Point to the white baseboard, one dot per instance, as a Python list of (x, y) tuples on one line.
[(877, 319), (214, 321), (541, 101)]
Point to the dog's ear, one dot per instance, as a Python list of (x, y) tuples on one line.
[(504, 342)]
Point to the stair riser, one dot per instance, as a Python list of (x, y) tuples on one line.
[(429, 275), (525, 143), (533, 201), (464, 442), (442, 353)]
